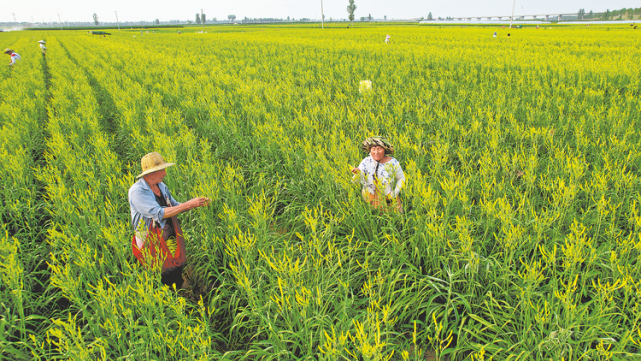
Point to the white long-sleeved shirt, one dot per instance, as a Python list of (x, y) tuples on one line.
[(14, 57), (389, 176)]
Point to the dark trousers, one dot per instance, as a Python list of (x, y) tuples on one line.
[(174, 276)]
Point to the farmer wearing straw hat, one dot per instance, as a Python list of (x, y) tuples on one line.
[(381, 175), (153, 217), (14, 56), (43, 47)]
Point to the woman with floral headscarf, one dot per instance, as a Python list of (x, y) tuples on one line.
[(381, 175)]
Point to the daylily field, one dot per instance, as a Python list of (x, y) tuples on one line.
[(520, 240)]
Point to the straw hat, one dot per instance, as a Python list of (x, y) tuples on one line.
[(42, 41), (152, 162), (8, 51), (377, 141)]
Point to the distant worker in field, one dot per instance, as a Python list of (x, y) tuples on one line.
[(381, 175), (14, 56), (387, 39), (43, 47), (158, 238), (494, 34)]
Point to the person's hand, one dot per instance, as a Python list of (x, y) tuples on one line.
[(198, 202), (355, 170)]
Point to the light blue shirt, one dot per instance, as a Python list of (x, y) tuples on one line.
[(144, 207)]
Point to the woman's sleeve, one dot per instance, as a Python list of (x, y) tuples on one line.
[(363, 173), (400, 179)]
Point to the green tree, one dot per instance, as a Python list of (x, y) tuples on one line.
[(350, 10), (95, 19), (429, 16), (157, 22), (203, 18), (370, 17), (581, 14), (197, 18), (231, 17)]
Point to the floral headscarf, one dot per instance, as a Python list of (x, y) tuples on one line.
[(377, 141)]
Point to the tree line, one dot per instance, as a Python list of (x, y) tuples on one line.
[(621, 14)]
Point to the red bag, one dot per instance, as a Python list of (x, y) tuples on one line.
[(155, 248)]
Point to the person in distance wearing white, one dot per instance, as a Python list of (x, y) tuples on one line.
[(43, 47), (14, 56)]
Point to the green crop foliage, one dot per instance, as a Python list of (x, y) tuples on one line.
[(520, 238)]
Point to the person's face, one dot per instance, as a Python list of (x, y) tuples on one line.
[(156, 177), (377, 152)]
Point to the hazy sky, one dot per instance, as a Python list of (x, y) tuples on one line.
[(148, 10)]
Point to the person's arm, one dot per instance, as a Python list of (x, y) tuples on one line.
[(184, 207), (361, 170), (147, 206)]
